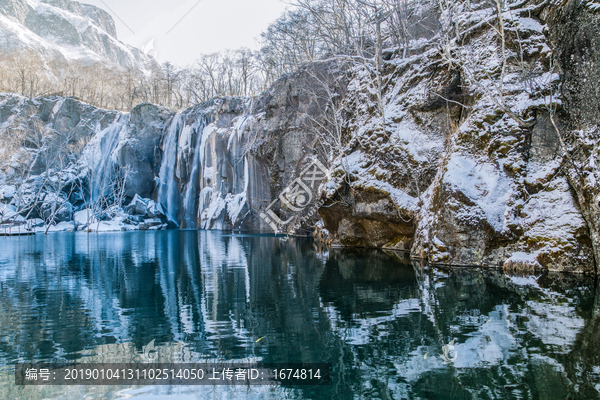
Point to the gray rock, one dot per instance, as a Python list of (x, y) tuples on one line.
[(155, 210), (138, 206), (134, 219), (574, 33), (139, 153)]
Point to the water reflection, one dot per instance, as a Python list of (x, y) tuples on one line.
[(380, 320)]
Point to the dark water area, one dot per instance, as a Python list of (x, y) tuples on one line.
[(380, 320)]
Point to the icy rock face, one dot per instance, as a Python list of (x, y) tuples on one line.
[(574, 32), (498, 198), (65, 116), (64, 30), (446, 172), (106, 150), (285, 132), (64, 123), (129, 145), (139, 153), (227, 160), (374, 196), (198, 155), (432, 163)]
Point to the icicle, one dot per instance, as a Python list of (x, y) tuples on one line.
[(193, 186)]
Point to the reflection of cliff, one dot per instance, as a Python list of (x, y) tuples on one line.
[(362, 283), (516, 333), (583, 363)]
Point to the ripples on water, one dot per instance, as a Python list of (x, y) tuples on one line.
[(207, 296)]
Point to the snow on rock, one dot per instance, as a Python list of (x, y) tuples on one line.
[(64, 31), (110, 226), (523, 261), (483, 184), (7, 212), (139, 206), (431, 162), (84, 218), (7, 192), (496, 199), (60, 227)]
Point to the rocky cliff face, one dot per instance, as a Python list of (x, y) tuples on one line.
[(450, 173), (217, 165), (224, 162), (574, 34), (471, 150)]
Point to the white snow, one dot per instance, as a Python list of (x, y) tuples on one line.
[(529, 24), (593, 5), (354, 164), (521, 257), (61, 227), (84, 217), (484, 184), (112, 226), (418, 144), (552, 215), (235, 204)]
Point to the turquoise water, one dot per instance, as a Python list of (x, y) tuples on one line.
[(380, 320)]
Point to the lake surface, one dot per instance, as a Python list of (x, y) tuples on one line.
[(380, 320)]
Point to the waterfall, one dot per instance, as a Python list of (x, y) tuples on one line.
[(101, 161), (192, 150), (168, 192), (193, 186)]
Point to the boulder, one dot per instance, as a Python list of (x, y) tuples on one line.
[(146, 212), (156, 210), (56, 210), (83, 218), (138, 206), (152, 224), (7, 211), (7, 192), (133, 219)]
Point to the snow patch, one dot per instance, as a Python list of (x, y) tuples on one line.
[(484, 184)]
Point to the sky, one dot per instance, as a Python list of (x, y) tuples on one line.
[(184, 29)]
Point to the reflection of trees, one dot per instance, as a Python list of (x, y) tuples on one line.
[(380, 321)]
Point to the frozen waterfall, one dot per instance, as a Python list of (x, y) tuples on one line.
[(168, 192)]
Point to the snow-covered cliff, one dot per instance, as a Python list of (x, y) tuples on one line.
[(465, 152), (62, 31)]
